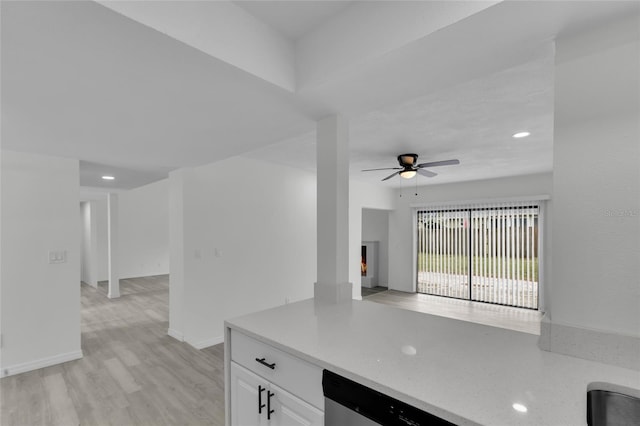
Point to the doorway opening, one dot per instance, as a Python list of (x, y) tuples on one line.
[(374, 253)]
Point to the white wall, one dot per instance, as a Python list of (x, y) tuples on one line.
[(401, 265), (249, 243), (245, 242), (596, 214), (40, 301), (375, 227), (143, 215), (144, 230)]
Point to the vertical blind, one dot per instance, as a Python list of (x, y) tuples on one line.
[(487, 253)]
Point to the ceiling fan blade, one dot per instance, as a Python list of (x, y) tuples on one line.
[(427, 173), (386, 168), (439, 163), (390, 176)]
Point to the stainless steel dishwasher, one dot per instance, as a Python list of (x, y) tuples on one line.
[(348, 403)]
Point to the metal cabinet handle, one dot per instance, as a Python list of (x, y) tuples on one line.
[(266, 364), (269, 410), (260, 404)]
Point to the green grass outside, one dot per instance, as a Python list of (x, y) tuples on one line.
[(460, 264)]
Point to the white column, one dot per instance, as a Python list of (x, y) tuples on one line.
[(332, 150), (177, 257), (93, 249), (112, 230)]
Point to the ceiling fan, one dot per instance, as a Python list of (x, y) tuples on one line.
[(408, 167)]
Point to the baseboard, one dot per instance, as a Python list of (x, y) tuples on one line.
[(199, 344), (175, 334), (150, 275), (40, 363), (594, 345), (207, 342)]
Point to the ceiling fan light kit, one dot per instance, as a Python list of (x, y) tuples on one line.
[(408, 174), (408, 167)]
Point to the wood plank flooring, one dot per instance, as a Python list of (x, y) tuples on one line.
[(524, 320), (132, 373), (367, 291)]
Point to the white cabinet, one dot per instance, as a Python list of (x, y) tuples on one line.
[(292, 411), (256, 401), (270, 387), (247, 394)]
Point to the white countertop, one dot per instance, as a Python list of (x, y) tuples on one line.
[(464, 372)]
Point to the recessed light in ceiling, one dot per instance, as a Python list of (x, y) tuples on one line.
[(521, 135), (409, 350), (108, 177), (519, 407)]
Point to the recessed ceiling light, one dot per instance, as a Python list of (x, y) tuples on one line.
[(108, 177), (521, 135), (519, 407), (409, 350)]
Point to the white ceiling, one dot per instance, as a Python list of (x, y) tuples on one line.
[(473, 122), (293, 18), (83, 81)]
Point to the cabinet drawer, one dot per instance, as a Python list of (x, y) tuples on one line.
[(290, 373)]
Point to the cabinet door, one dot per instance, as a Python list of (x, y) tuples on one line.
[(289, 410), (247, 391)]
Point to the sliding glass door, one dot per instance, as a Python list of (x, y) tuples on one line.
[(487, 254), (443, 253)]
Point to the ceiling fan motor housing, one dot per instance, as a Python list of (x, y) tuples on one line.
[(407, 160)]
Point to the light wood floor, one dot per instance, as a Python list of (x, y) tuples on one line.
[(524, 320), (367, 291), (132, 373)]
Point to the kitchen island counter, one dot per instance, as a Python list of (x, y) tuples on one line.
[(464, 372)]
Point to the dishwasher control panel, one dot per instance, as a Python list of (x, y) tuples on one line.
[(377, 407)]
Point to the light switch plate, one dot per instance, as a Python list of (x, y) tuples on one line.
[(57, 256)]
